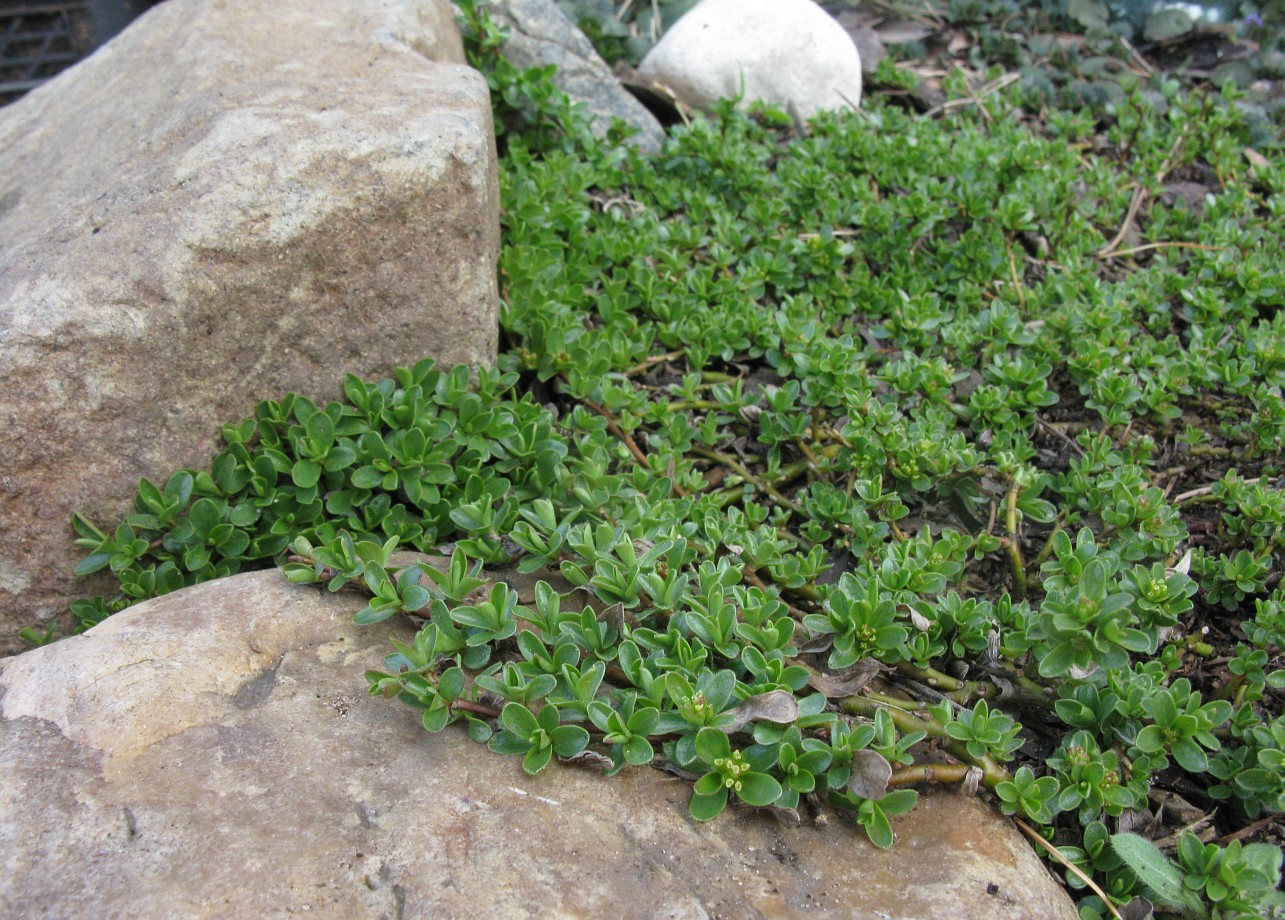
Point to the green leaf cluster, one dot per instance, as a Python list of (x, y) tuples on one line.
[(825, 450)]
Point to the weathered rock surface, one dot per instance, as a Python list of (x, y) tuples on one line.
[(539, 35), (213, 753), (786, 52), (229, 201)]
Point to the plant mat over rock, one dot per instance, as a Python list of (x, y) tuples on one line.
[(910, 451)]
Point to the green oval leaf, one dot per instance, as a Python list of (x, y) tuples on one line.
[(758, 789), (306, 473), (91, 564), (519, 720), (712, 745), (708, 807)]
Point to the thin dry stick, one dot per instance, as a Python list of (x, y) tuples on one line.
[(1249, 830), (1149, 246), (1056, 854), (1135, 203), (976, 98), (654, 360), (614, 427), (1139, 196), (1012, 270), (1147, 69), (990, 120), (1202, 829), (619, 432), (1207, 490), (852, 105), (842, 231), (1071, 444), (753, 578)]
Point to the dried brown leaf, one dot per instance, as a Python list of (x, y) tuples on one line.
[(774, 706), (590, 759), (870, 774), (1137, 909), (1256, 159), (614, 616), (838, 686), (787, 816)]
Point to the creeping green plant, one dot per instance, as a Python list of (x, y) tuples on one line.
[(822, 465)]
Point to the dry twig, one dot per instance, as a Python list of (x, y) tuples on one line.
[(1207, 490), (1132, 250), (977, 97), (1139, 196), (1075, 870)]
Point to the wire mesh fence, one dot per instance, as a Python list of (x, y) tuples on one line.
[(38, 40), (41, 38)]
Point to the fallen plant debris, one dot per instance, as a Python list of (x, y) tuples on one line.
[(844, 463)]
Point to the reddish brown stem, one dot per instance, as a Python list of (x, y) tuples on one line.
[(614, 427), (478, 709)]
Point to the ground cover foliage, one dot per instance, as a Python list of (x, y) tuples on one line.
[(907, 451), (1061, 53), (1073, 53)]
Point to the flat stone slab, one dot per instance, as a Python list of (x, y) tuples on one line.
[(214, 753)]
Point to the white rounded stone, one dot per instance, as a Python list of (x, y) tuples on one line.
[(789, 53)]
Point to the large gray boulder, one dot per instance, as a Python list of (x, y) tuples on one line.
[(789, 53), (230, 201), (539, 35), (213, 753)]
